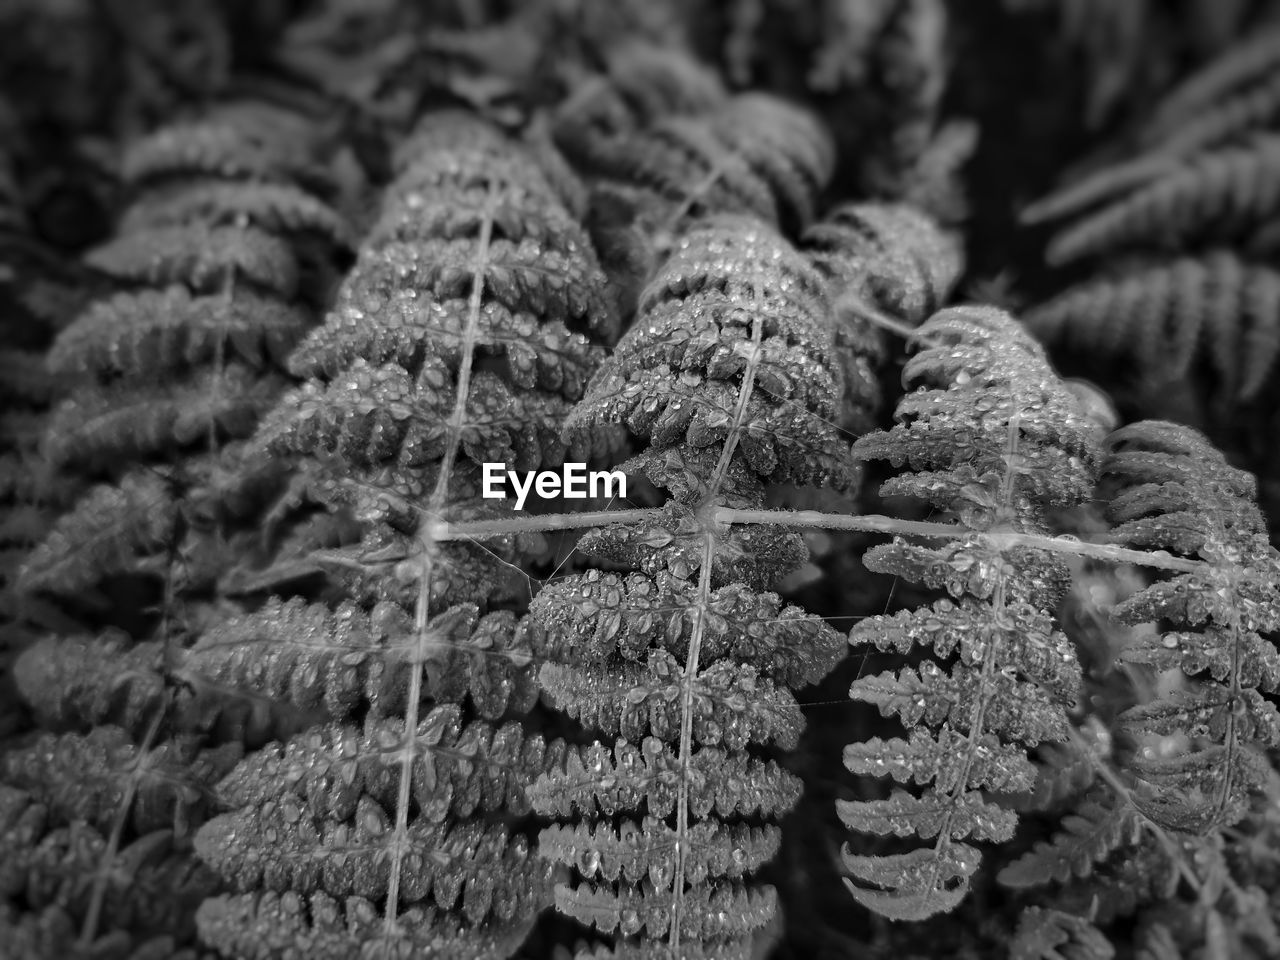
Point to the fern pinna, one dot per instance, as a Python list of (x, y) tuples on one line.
[(1149, 820), (471, 320), (991, 435), (684, 662)]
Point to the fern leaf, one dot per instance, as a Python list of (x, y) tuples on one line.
[(411, 333), (98, 428), (889, 255), (926, 757), (1172, 490), (608, 613), (732, 705), (460, 768), (274, 208), (993, 436), (1229, 190), (340, 659), (104, 534), (83, 777), (1165, 316), (142, 334), (407, 392), (152, 884), (202, 257), (1089, 836), (915, 885)]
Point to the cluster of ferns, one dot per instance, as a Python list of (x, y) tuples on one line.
[(280, 682)]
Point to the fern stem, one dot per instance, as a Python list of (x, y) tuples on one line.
[(701, 602), (686, 737), (98, 894), (422, 605), (878, 318), (866, 523)]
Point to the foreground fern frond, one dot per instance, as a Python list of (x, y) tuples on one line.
[(473, 316), (993, 436), (730, 376)]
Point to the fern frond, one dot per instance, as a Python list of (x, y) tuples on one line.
[(1172, 490), (992, 435), (145, 333), (1166, 316), (1225, 191), (426, 367)]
